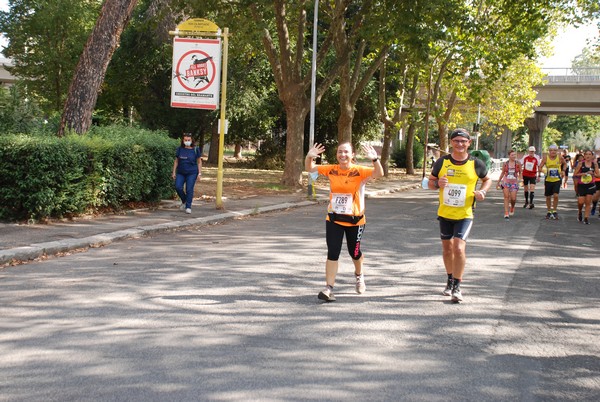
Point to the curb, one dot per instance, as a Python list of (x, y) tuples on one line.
[(38, 250)]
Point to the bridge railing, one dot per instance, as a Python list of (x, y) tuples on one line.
[(571, 75)]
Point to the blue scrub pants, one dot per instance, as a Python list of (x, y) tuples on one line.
[(189, 180)]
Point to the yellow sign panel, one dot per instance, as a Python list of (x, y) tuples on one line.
[(198, 25)]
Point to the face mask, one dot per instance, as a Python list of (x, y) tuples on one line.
[(187, 143)]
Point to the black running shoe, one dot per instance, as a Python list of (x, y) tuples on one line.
[(549, 215), (526, 205), (579, 216), (586, 221), (531, 206)]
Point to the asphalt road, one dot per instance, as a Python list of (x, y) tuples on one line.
[(230, 313)]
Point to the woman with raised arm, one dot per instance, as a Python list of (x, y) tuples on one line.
[(346, 209)]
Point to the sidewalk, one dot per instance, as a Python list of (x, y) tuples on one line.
[(21, 242)]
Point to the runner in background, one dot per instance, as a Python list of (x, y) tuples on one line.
[(509, 183), (568, 166), (576, 180), (596, 196), (588, 172), (553, 163), (531, 175)]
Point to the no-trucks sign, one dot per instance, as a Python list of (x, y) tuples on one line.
[(196, 71)]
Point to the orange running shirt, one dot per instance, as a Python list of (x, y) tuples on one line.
[(347, 190)]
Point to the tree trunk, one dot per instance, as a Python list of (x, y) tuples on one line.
[(389, 124), (385, 150), (410, 141), (442, 121), (91, 69), (237, 154), (410, 132), (352, 80), (346, 116), (294, 153), (213, 152), (200, 141), (443, 135)]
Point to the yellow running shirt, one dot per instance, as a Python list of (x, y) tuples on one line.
[(553, 168), (347, 194), (457, 198)]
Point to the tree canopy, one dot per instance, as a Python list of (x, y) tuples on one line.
[(400, 62)]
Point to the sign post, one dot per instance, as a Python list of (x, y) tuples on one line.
[(197, 71)]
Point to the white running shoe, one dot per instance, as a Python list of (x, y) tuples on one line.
[(448, 290), (360, 284), (327, 295), (456, 295)]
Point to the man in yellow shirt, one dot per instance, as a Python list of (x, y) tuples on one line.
[(555, 172), (455, 176)]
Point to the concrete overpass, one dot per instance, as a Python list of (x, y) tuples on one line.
[(566, 91)]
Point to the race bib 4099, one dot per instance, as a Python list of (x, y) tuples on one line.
[(455, 195)]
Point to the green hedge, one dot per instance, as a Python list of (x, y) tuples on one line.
[(399, 155), (43, 177)]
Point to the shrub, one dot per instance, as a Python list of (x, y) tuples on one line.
[(399, 155), (44, 176), (270, 155)]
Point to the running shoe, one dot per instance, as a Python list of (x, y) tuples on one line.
[(448, 290), (579, 216), (182, 207), (512, 211), (586, 221), (549, 215), (456, 295), (327, 295), (555, 215), (360, 284), (188, 210), (526, 205), (506, 217), (531, 206)]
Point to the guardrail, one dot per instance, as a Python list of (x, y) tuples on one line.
[(570, 75), (497, 164)]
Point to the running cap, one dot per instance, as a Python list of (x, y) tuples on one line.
[(553, 146), (531, 148), (460, 132)]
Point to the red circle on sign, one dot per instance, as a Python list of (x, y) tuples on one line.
[(212, 63)]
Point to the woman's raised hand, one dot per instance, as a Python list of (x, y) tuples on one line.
[(316, 150), (370, 151)]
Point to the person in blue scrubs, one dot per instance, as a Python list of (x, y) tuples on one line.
[(186, 170)]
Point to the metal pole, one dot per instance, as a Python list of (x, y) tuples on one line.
[(219, 195), (478, 125), (311, 134)]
